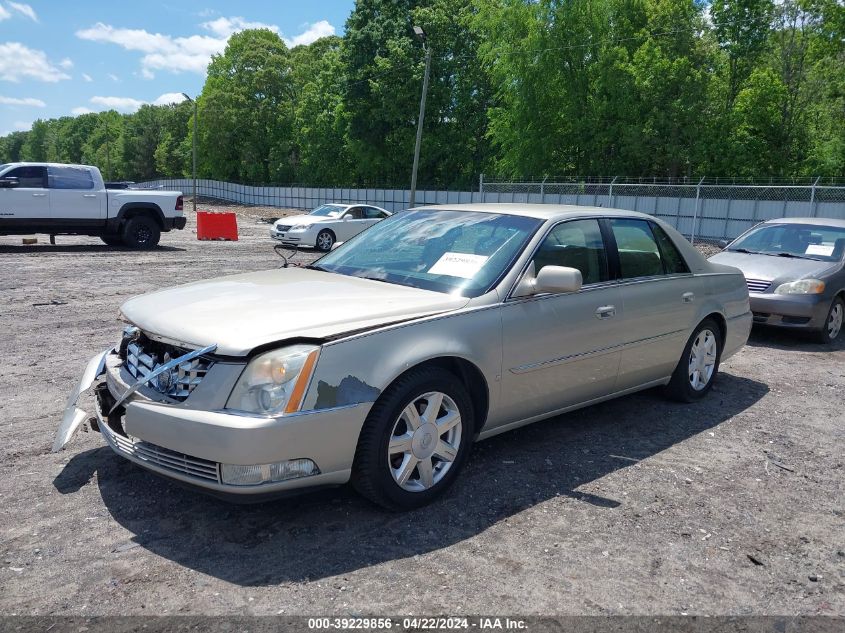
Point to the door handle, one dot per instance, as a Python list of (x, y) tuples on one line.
[(39, 195), (89, 195), (605, 312), (688, 297)]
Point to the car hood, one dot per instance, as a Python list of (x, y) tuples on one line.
[(293, 220), (770, 268), (241, 312)]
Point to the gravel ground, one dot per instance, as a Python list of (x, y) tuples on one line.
[(733, 505)]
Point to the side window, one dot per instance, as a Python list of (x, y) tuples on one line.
[(576, 244), (673, 261), (69, 178), (29, 176), (354, 213), (639, 255), (371, 213)]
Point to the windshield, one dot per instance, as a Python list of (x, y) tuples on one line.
[(328, 210), (805, 241), (457, 252)]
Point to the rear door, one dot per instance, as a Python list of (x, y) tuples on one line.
[(660, 299), (561, 350), (28, 204), (73, 198)]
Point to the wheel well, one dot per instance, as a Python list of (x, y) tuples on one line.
[(472, 379), (134, 212), (723, 325)]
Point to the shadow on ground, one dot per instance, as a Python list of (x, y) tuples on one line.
[(791, 340), (333, 532), (78, 248)]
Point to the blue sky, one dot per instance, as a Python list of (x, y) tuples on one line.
[(65, 57)]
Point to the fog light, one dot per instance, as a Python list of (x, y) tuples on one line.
[(236, 475)]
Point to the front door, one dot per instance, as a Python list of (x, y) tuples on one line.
[(73, 199), (28, 204), (563, 349)]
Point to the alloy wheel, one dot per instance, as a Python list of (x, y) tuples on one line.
[(324, 241), (834, 321), (702, 359), (424, 441)]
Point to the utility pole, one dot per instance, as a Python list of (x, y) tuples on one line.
[(420, 34), (194, 152)]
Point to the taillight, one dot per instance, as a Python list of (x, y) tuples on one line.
[(179, 203)]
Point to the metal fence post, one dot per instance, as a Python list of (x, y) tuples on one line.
[(543, 191), (695, 210), (610, 193), (481, 186), (814, 209)]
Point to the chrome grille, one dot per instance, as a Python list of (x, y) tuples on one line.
[(757, 285), (282, 229), (165, 458), (179, 382)]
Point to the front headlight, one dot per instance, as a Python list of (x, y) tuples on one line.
[(275, 382), (300, 227), (801, 287)]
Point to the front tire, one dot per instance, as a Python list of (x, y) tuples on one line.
[(141, 233), (325, 240), (415, 440), (696, 371), (833, 323)]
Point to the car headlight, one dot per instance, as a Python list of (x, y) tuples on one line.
[(275, 382), (801, 287), (300, 227)]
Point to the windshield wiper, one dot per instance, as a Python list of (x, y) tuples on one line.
[(745, 250), (815, 259)]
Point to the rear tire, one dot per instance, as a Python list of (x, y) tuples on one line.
[(141, 233), (408, 454), (833, 323), (696, 371)]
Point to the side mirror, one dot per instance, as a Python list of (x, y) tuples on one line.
[(346, 218), (723, 243), (9, 183), (557, 279)]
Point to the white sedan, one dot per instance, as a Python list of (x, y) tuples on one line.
[(326, 225)]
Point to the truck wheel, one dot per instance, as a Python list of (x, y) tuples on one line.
[(141, 233), (111, 240)]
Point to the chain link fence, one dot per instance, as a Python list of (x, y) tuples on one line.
[(702, 210)]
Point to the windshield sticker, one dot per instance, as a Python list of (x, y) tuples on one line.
[(819, 249), (461, 265)]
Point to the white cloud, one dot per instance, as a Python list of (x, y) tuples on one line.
[(225, 27), (66, 63), (122, 104), (21, 62), (162, 52), (24, 9), (169, 97), (22, 126), (25, 101), (87, 77), (4, 14), (81, 110), (311, 34), (113, 77)]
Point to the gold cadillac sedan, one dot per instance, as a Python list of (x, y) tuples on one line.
[(384, 361)]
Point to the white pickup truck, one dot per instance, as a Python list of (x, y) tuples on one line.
[(73, 200)]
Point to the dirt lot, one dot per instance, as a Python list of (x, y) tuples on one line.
[(640, 506)]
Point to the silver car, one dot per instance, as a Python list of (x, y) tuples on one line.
[(445, 325), (795, 271)]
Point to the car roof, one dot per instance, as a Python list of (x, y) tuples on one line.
[(837, 222), (540, 211)]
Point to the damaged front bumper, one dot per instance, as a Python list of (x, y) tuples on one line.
[(199, 447)]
